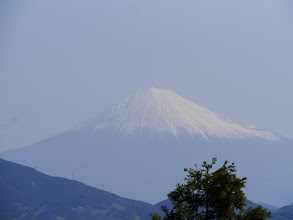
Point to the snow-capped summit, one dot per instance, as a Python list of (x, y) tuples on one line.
[(160, 111)]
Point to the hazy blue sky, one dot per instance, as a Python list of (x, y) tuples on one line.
[(63, 62)]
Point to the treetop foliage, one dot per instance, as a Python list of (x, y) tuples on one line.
[(210, 194)]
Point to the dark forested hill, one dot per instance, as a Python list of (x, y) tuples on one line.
[(28, 194)]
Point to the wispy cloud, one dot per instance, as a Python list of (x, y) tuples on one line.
[(9, 123)]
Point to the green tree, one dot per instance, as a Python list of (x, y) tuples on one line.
[(208, 194)]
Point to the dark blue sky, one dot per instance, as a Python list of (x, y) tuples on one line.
[(62, 62)]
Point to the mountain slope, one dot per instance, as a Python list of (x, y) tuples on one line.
[(28, 194)]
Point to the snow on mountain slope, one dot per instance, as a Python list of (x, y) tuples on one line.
[(160, 111)]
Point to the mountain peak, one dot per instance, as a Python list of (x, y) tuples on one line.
[(160, 111)]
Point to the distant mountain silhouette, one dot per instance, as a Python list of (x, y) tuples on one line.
[(283, 213), (167, 203), (268, 206), (28, 194)]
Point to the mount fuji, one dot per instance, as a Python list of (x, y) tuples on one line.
[(159, 112), (140, 148)]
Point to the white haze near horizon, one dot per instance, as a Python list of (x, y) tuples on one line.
[(63, 62)]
